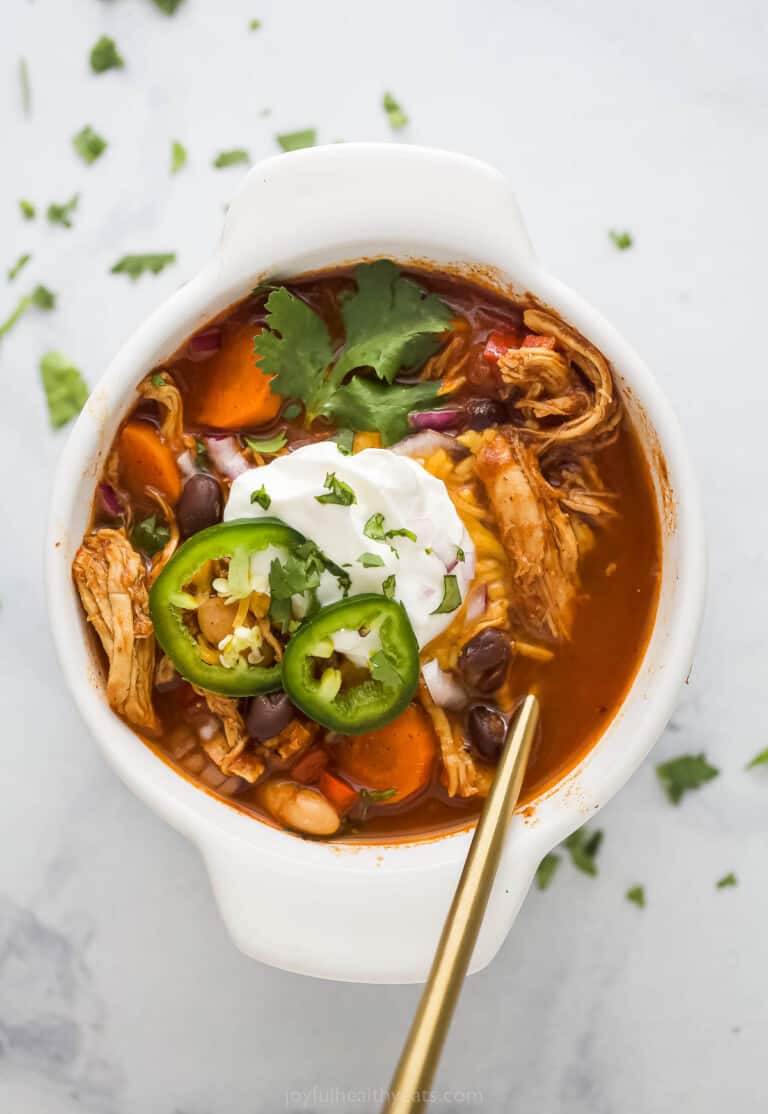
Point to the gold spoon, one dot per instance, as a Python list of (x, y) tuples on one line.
[(413, 1076)]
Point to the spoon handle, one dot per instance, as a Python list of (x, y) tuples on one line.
[(409, 1089)]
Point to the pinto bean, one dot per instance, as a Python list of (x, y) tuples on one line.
[(487, 730), (268, 714), (215, 618), (299, 807), (200, 504), (484, 659)]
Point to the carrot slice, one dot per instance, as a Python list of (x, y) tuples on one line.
[(341, 795), (146, 461), (398, 756), (229, 390)]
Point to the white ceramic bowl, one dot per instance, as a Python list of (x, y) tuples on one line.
[(372, 913)]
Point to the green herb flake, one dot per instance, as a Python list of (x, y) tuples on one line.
[(370, 560), (760, 759), (388, 587), (136, 265), (291, 411), (168, 6), (158, 380), (451, 596), (621, 240), (729, 879), (397, 118), (583, 846), (460, 554), (89, 145), (261, 498), (636, 894), (178, 156), (345, 440), (337, 492), (26, 87), (200, 451), (374, 527), (236, 156), (254, 25), (294, 141), (268, 445), (679, 775), (150, 536), (401, 533), (65, 390), (62, 214), (383, 671), (105, 55), (28, 210), (18, 266), (40, 297), (546, 870), (370, 797), (43, 298)]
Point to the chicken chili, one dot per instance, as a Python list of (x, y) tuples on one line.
[(345, 529)]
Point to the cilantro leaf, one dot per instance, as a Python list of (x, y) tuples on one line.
[(729, 879), (621, 240), (40, 297), (105, 55), (65, 390), (451, 596), (370, 560), (268, 445), (388, 586), (234, 157), (178, 156), (374, 527), (636, 894), (546, 870), (167, 6), (254, 25), (28, 211), (62, 214), (345, 439), (26, 87), (363, 404), (18, 266), (583, 846), (689, 771), (397, 118), (150, 536), (262, 498), (383, 319), (89, 144), (296, 348), (294, 141), (383, 670), (338, 492), (43, 298), (136, 265), (760, 759)]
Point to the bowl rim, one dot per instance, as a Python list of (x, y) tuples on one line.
[(204, 817)]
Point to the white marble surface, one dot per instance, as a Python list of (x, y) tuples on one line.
[(119, 990)]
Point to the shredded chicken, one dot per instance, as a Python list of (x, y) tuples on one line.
[(448, 364), (166, 395), (110, 578), (292, 740), (229, 748), (161, 559), (460, 770)]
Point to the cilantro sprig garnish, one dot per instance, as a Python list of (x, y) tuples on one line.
[(18, 266), (136, 265), (679, 775), (62, 213), (150, 536), (636, 894), (546, 870), (262, 498), (621, 240), (299, 573), (41, 297), (28, 210), (337, 492)]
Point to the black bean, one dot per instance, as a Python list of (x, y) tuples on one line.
[(485, 412), (267, 715), (484, 659), (200, 504), (487, 730)]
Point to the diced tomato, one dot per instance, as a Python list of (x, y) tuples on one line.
[(310, 766), (535, 341), (341, 795), (498, 343)]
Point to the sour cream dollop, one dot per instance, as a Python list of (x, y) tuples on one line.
[(384, 483)]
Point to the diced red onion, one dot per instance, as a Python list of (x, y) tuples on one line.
[(477, 603), (204, 344), (186, 463), (443, 687), (225, 454), (435, 419), (426, 442), (109, 500), (208, 727)]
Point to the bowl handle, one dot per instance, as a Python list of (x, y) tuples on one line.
[(325, 205)]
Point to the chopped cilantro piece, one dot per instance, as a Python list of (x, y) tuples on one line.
[(383, 670), (26, 87), (28, 210), (40, 297), (43, 298), (236, 156), (689, 771), (621, 240), (261, 498), (150, 536), (636, 894), (178, 156), (89, 144), (298, 574), (158, 380), (167, 6), (65, 389), (18, 266), (370, 560), (268, 445), (374, 527), (337, 492), (401, 533), (62, 214), (729, 879), (254, 25), (363, 405), (345, 439), (397, 118), (460, 554), (760, 759), (370, 797), (105, 55), (451, 596), (136, 265), (294, 141), (388, 586), (200, 451), (546, 870), (583, 845)]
